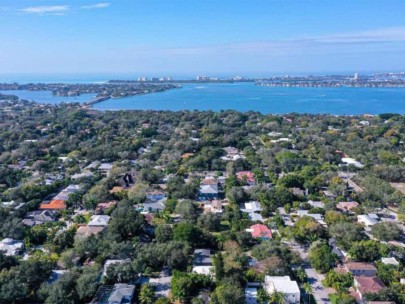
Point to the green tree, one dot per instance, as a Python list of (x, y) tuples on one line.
[(87, 284), (321, 257), (346, 233), (368, 251), (164, 233), (186, 285), (386, 231), (219, 267), (147, 294), (125, 222), (188, 233), (228, 294)]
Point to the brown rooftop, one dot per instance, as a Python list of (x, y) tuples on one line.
[(360, 266), (369, 284)]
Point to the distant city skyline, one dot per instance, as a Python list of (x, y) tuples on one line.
[(208, 38)]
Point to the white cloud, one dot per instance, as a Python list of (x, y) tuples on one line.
[(97, 5), (351, 41), (47, 10)]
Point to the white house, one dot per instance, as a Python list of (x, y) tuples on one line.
[(390, 261), (204, 269), (11, 247), (352, 161), (99, 221), (316, 204), (366, 220), (252, 207), (283, 139), (288, 288)]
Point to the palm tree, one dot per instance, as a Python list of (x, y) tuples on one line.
[(276, 297), (308, 290)]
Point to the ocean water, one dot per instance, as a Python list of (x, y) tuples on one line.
[(248, 97)]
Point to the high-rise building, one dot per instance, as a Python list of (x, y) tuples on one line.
[(356, 76)]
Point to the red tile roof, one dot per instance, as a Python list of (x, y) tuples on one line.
[(54, 205), (260, 230), (246, 174)]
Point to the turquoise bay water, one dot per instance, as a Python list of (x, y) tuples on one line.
[(47, 97), (246, 96)]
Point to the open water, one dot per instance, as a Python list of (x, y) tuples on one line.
[(248, 97)]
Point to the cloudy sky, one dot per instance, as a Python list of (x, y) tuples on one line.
[(189, 37)]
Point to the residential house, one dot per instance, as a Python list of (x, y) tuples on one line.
[(260, 231), (39, 217), (97, 224), (352, 161), (316, 204), (121, 294), (365, 285), (99, 221), (361, 269), (104, 206), (298, 191), (274, 134), (82, 175), (108, 263), (59, 201), (202, 262), (11, 247), (208, 192), (84, 231), (154, 206), (55, 205), (346, 206), (214, 206), (105, 169), (316, 216), (155, 195), (288, 288), (390, 261), (366, 220), (232, 154), (202, 257), (247, 176), (282, 139), (253, 209)]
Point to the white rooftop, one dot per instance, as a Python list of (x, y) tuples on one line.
[(282, 284), (352, 161), (11, 247), (390, 261), (206, 270), (99, 220)]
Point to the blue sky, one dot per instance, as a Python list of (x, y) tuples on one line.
[(190, 37)]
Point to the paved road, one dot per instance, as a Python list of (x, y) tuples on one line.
[(314, 279), (285, 217), (320, 293)]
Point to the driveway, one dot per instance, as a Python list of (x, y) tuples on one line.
[(162, 284)]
